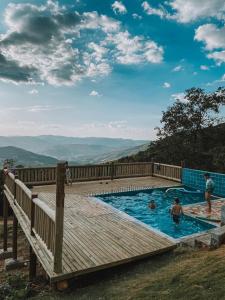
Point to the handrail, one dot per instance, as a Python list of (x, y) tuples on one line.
[(42, 176), (47, 210)]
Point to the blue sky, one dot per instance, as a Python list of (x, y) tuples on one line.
[(104, 68)]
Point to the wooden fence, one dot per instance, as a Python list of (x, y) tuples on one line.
[(43, 176), (168, 171)]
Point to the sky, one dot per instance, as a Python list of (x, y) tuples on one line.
[(104, 68)]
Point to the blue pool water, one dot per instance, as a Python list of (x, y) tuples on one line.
[(136, 203)]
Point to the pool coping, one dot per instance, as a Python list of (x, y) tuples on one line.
[(149, 227)]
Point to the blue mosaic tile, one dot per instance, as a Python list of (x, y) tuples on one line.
[(195, 179)]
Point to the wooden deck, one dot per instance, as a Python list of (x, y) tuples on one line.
[(96, 236)]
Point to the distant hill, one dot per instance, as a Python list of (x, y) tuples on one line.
[(77, 150), (43, 142), (25, 158)]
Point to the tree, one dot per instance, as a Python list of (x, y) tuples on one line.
[(198, 110), (183, 134)]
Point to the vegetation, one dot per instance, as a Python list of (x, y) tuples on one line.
[(183, 274), (15, 287), (192, 131)]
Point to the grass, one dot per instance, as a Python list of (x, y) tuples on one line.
[(183, 274)]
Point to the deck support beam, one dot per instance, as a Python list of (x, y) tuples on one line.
[(59, 217), (14, 241), (33, 265), (5, 223)]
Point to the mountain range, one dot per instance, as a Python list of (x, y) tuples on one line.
[(48, 149)]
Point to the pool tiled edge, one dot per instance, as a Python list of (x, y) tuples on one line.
[(195, 179)]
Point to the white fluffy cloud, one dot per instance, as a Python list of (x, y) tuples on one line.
[(191, 10), (119, 7), (33, 92), (204, 68), (41, 45), (160, 11), (179, 97), (166, 85), (135, 50), (94, 94), (186, 11), (213, 38)]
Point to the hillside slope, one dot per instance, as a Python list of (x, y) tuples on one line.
[(25, 158), (207, 154)]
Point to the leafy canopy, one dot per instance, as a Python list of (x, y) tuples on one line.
[(196, 111)]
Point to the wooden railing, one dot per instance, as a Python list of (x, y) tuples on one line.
[(167, 171), (37, 176), (40, 218), (133, 169), (43, 176), (10, 183), (43, 223)]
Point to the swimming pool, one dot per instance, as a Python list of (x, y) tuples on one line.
[(136, 203)]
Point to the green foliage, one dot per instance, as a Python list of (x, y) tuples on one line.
[(191, 131), (15, 287)]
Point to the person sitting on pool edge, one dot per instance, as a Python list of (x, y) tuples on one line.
[(152, 204), (209, 188), (176, 211)]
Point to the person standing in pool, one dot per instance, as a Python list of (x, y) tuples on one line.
[(176, 211), (209, 188)]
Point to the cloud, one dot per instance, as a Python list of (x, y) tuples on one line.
[(179, 97), (161, 11), (186, 11), (33, 92), (135, 50), (119, 7), (213, 38), (34, 108), (177, 68), (94, 94), (204, 68), (11, 71), (136, 16), (191, 10), (166, 85), (50, 43)]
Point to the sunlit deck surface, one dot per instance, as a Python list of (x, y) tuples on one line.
[(200, 210), (99, 187), (97, 236)]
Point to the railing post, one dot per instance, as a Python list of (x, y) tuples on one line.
[(59, 218), (5, 223), (14, 242), (32, 213), (152, 168), (112, 170), (14, 189), (33, 257)]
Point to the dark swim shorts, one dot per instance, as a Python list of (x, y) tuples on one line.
[(176, 219)]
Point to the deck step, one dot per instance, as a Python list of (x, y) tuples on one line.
[(203, 241)]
